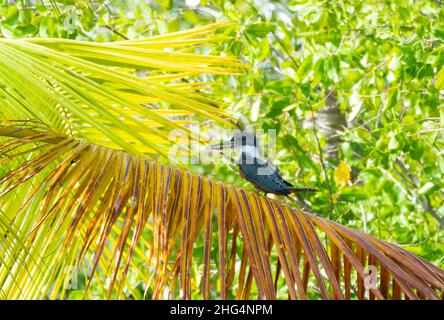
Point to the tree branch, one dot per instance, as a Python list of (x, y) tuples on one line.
[(425, 201), (324, 167)]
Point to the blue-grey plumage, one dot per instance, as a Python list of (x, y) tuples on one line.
[(257, 169)]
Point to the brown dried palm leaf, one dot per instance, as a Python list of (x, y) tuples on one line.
[(114, 206)]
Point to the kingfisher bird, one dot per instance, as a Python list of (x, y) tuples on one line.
[(257, 169)]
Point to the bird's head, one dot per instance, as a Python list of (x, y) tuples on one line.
[(241, 139)]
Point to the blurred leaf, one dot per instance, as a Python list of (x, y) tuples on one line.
[(392, 98), (264, 49), (353, 193), (427, 188), (439, 84), (260, 29), (342, 174)]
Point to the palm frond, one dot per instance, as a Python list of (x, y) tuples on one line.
[(158, 214), (113, 94)]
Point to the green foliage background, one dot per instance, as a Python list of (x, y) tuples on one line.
[(382, 62)]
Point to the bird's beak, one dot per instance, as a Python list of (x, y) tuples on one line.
[(222, 146)]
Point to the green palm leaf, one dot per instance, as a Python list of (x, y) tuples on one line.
[(91, 91)]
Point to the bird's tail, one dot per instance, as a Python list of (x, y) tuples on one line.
[(295, 189)]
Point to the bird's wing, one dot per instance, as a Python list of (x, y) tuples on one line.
[(279, 182), (288, 184), (278, 177)]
